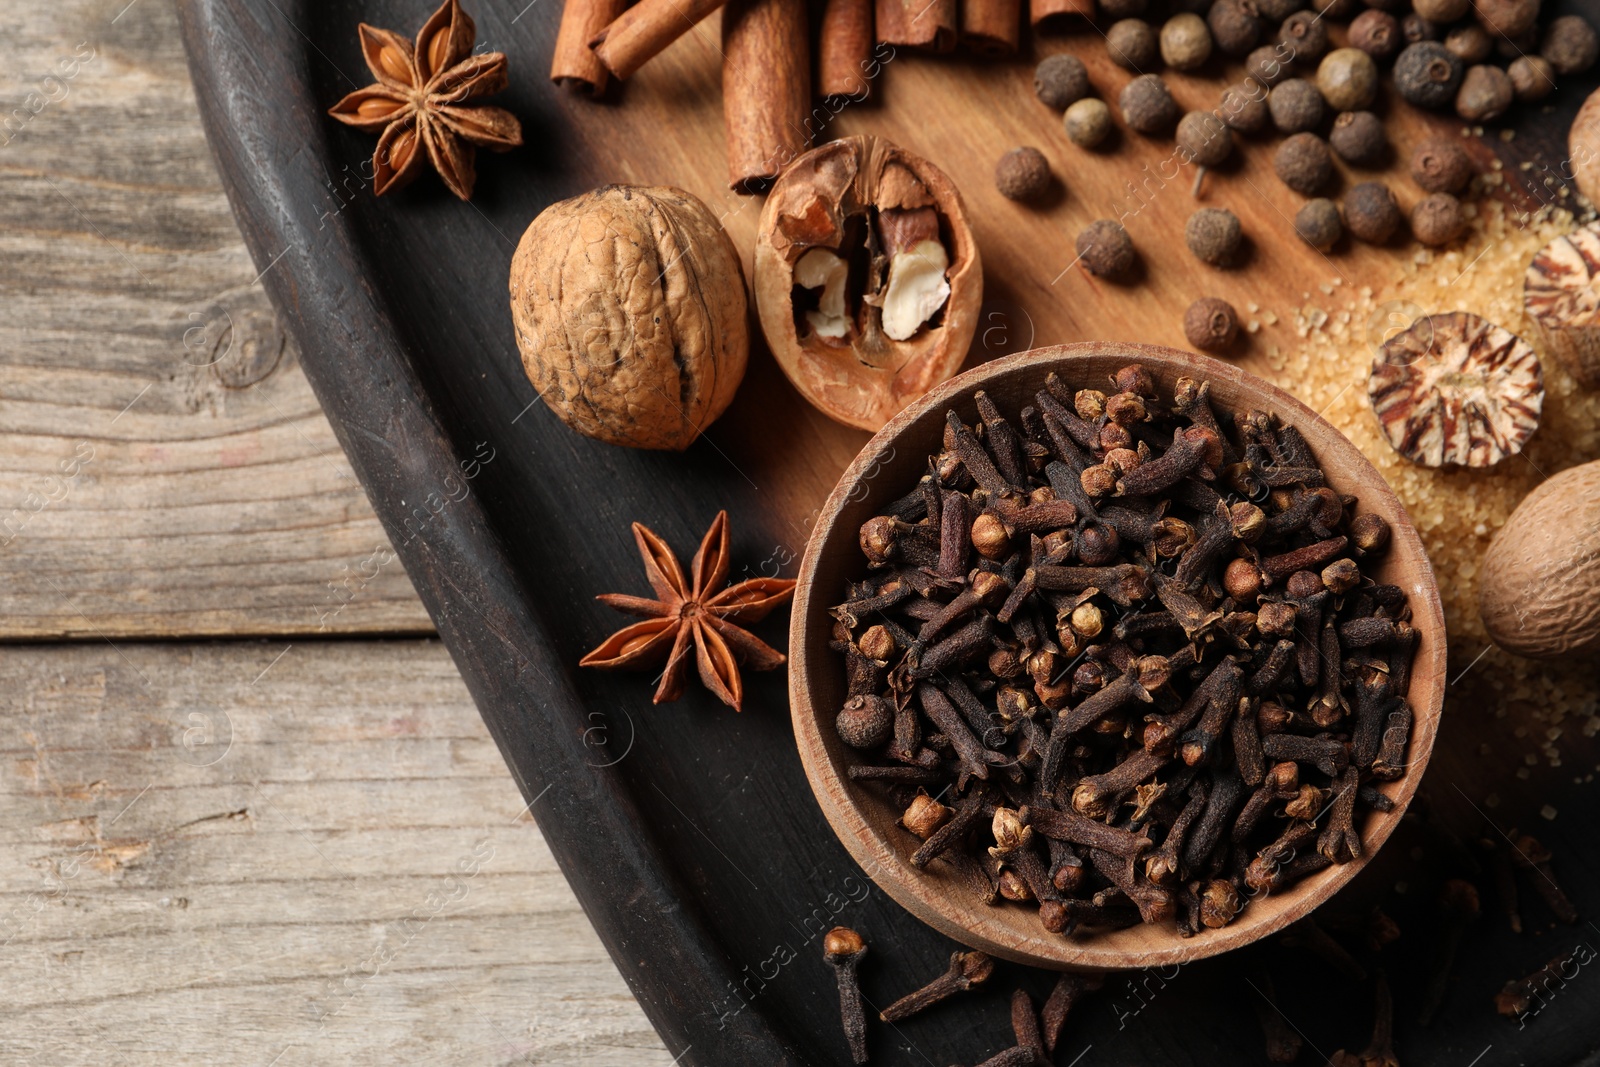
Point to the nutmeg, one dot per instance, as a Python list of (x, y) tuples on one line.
[(629, 308), (862, 326)]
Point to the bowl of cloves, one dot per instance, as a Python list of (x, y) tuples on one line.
[(1111, 655)]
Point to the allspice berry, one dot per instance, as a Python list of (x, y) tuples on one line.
[(1532, 77), (1235, 26), (1318, 224), (1485, 93), (1414, 28), (1059, 80), (1348, 79), (1370, 212), (1244, 107), (1426, 74), (1088, 122), (1296, 105), (1524, 44), (1304, 164), (1268, 64), (1439, 165), (1306, 35), (1213, 235), (1275, 11), (1337, 10), (1106, 249), (1377, 33), (1211, 324), (1358, 138), (1122, 9), (1570, 44), (1470, 43), (1442, 10), (1506, 18), (1147, 105), (1204, 138), (1131, 43), (1437, 219), (1185, 42), (1022, 174)]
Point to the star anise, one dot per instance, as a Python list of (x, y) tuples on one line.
[(419, 105), (697, 613)]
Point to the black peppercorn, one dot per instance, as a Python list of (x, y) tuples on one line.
[(1377, 33), (1317, 222), (1277, 10), (1485, 93), (1131, 43), (1415, 28), (1106, 249), (1348, 79), (1440, 166), (1304, 163), (1370, 212), (1212, 234), (1185, 42), (1244, 107), (1532, 77), (1235, 26), (1268, 64), (1022, 174), (1210, 324), (1147, 105), (1204, 138), (1296, 105), (1088, 122), (1470, 43), (1570, 44), (1059, 80), (1306, 35), (1358, 139), (1437, 219), (1426, 74)]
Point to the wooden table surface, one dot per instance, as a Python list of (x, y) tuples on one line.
[(248, 812)]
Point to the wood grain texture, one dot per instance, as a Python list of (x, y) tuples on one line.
[(317, 857), (167, 470)]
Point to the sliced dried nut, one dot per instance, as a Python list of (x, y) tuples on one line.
[(867, 278), (1562, 297), (1456, 389)]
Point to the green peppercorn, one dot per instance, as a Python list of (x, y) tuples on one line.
[(1235, 26), (1439, 165), (1437, 219), (1570, 44), (1358, 138), (1106, 250), (1204, 138), (1211, 324), (1296, 105), (1131, 43), (1185, 42), (1305, 35), (1470, 43), (1426, 74), (1088, 122), (1059, 80), (1304, 164), (1268, 64), (1532, 77), (1377, 33), (1485, 93), (1244, 107), (1370, 212), (1348, 79), (1213, 235), (1147, 105), (1022, 174), (1317, 223)]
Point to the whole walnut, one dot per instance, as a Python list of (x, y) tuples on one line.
[(629, 307)]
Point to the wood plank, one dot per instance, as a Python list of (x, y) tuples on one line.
[(312, 854), (167, 470)]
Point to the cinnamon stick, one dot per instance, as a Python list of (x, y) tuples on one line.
[(640, 33), (925, 24), (574, 65), (844, 48), (991, 27), (766, 88), (1053, 14)]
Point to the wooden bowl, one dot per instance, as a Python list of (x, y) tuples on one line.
[(861, 814)]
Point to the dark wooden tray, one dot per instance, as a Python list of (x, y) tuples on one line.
[(688, 832)]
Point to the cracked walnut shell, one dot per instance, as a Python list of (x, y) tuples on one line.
[(867, 278), (1456, 390), (629, 306)]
